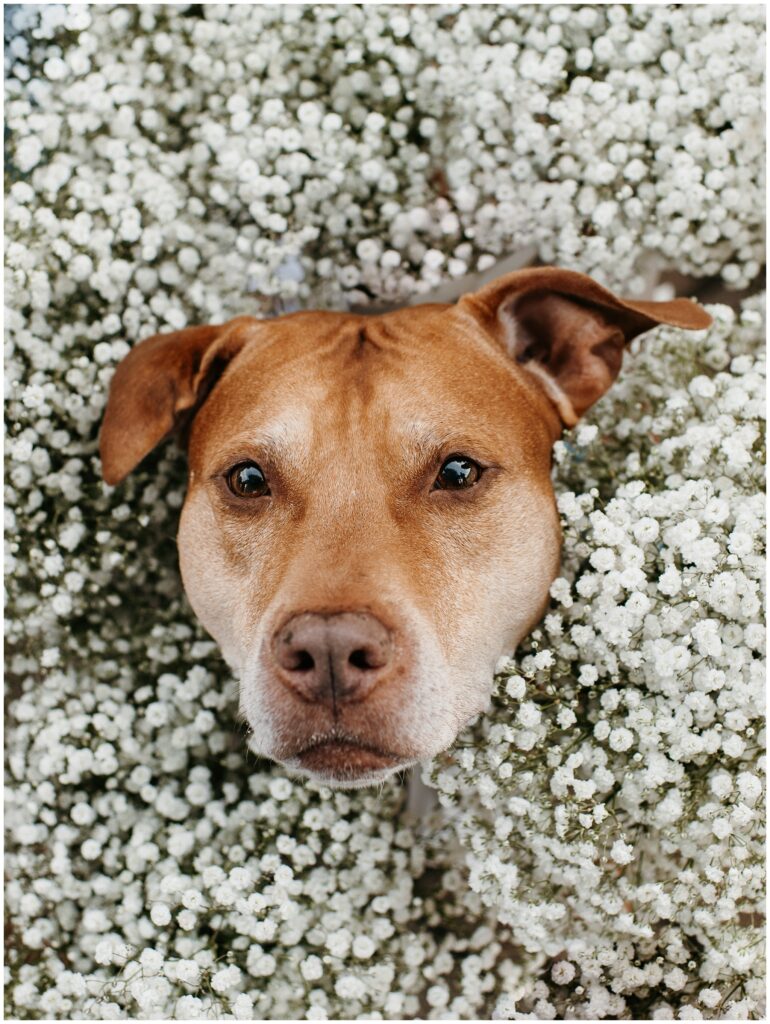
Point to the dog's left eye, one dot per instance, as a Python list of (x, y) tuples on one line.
[(247, 480), (457, 473)]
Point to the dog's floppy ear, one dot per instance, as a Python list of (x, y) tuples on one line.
[(569, 331), (159, 380)]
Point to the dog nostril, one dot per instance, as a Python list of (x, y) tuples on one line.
[(364, 659), (302, 661)]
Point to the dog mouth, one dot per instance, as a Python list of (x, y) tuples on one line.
[(345, 759)]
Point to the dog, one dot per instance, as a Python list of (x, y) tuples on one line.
[(370, 523)]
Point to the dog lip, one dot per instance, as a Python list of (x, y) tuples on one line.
[(342, 743), (345, 757)]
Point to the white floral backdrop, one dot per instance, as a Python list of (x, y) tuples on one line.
[(597, 848)]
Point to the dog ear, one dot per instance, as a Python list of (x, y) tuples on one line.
[(159, 380), (569, 331)]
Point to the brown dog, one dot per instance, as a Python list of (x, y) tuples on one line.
[(370, 522)]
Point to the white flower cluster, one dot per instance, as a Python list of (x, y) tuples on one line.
[(220, 890), (612, 806), (598, 853), (208, 162)]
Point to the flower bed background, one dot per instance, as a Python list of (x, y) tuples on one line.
[(598, 848)]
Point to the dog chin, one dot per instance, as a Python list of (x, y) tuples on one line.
[(340, 764)]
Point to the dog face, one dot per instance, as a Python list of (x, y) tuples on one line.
[(370, 522), (363, 553)]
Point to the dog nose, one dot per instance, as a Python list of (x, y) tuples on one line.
[(333, 659)]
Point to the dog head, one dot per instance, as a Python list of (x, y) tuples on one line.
[(370, 523)]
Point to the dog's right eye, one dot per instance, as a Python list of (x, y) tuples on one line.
[(457, 473), (247, 480)]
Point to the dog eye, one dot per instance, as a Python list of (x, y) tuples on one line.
[(457, 473), (247, 480)]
